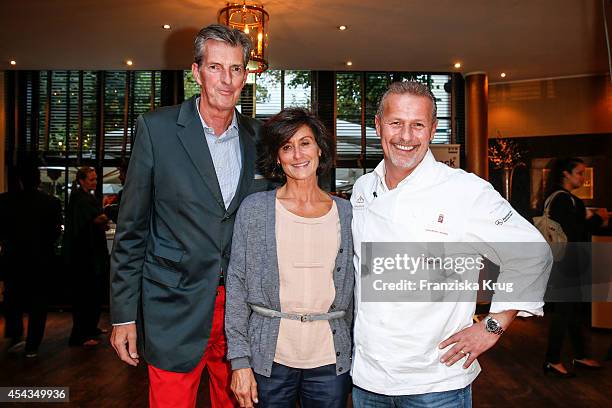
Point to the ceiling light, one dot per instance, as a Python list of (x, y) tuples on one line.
[(252, 19), (13, 62), (129, 63), (349, 63), (342, 27), (503, 75), (457, 65), (166, 26)]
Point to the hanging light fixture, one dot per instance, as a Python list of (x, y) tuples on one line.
[(253, 20)]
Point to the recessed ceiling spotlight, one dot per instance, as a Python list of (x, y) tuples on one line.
[(349, 63), (457, 65), (342, 27), (503, 75), (166, 26), (13, 62), (129, 63)]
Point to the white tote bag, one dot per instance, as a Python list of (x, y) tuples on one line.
[(551, 229)]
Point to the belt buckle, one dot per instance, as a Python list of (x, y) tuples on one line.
[(304, 318)]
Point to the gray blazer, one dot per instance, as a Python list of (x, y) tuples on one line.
[(253, 278)]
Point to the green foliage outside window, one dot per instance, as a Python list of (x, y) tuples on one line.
[(190, 86)]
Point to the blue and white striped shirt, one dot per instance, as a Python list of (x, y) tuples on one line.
[(225, 152)]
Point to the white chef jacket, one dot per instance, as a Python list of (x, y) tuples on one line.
[(396, 343)]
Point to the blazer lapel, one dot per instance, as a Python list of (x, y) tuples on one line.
[(194, 141), (248, 153)]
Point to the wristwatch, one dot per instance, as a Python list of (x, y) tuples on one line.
[(492, 325)]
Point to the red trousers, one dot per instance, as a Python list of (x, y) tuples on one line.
[(169, 389)]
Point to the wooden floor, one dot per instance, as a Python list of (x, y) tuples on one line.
[(511, 376)]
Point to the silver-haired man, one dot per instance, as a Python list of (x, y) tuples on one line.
[(423, 353), (191, 166)]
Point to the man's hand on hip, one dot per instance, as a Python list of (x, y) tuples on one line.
[(244, 387), (123, 340), (474, 340)]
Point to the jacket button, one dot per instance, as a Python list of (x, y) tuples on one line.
[(340, 370), (341, 250), (337, 353), (333, 306), (334, 331), (338, 269)]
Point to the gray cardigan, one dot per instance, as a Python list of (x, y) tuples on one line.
[(253, 278)]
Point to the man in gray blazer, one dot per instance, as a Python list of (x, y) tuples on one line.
[(190, 168)]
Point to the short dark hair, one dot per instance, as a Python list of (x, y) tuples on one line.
[(555, 177), (82, 174), (218, 32), (280, 128)]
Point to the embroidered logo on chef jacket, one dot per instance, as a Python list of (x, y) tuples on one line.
[(436, 222), (359, 203), (505, 218)]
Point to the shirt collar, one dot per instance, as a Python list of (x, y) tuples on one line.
[(426, 163), (227, 134)]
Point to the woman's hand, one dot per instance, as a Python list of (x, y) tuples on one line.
[(244, 387)]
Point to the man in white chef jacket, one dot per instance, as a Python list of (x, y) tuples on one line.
[(424, 353)]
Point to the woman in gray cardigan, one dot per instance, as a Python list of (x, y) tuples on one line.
[(290, 278)]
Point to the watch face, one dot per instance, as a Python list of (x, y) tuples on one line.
[(492, 325)]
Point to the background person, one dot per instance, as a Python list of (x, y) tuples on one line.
[(30, 226), (291, 253), (567, 174), (86, 254)]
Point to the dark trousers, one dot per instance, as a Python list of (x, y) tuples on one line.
[(87, 290), (566, 318), (25, 296), (316, 387)]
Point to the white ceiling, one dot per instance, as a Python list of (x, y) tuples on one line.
[(525, 38)]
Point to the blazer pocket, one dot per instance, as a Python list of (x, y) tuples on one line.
[(161, 275), (167, 252)]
